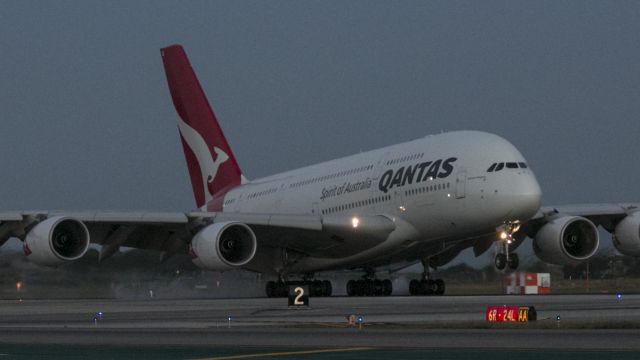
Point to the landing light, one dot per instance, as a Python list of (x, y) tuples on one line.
[(355, 222), (504, 235), (402, 208)]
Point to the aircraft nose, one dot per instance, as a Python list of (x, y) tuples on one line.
[(517, 197), (527, 197)]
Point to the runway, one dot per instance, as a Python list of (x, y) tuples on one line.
[(448, 323)]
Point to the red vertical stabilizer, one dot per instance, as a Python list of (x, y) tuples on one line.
[(212, 166)]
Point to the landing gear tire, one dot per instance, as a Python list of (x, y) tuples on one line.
[(500, 261), (271, 289), (351, 288), (429, 287), (513, 261), (315, 288), (439, 287), (369, 287), (426, 287), (276, 289), (327, 287), (387, 287)]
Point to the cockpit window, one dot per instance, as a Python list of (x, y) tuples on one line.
[(510, 165)]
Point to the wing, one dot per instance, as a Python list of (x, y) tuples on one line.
[(172, 233), (622, 220), (309, 235), (567, 234), (607, 215)]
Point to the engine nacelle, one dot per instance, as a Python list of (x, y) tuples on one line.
[(56, 240), (224, 246), (566, 241), (627, 235)]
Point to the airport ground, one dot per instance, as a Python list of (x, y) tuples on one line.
[(602, 326), (226, 286), (187, 318)]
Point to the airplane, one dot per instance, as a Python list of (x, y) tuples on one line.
[(421, 201)]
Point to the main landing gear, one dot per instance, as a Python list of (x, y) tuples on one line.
[(369, 287), (426, 285), (504, 258), (317, 288)]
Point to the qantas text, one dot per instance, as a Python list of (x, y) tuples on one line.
[(416, 173)]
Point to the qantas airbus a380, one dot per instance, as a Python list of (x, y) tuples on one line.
[(424, 201)]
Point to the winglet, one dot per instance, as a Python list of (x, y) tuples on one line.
[(212, 166)]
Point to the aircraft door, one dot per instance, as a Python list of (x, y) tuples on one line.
[(277, 204), (380, 167), (461, 184)]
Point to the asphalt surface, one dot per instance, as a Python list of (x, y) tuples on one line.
[(191, 352), (409, 325)]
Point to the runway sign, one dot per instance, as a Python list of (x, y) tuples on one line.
[(511, 314), (298, 296)]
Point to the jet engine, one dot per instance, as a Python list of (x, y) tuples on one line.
[(223, 246), (566, 241), (627, 235), (56, 240)]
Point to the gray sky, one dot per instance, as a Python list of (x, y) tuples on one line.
[(87, 121)]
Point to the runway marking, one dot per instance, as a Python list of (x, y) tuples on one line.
[(287, 353)]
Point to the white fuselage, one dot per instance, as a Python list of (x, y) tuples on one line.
[(437, 187)]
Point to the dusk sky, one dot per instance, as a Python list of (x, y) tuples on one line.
[(87, 120)]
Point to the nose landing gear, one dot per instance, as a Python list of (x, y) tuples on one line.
[(504, 258)]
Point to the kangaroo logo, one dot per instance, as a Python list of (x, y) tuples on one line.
[(208, 165)]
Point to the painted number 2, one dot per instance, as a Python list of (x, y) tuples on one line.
[(299, 293)]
